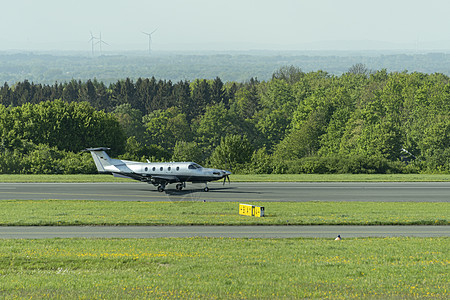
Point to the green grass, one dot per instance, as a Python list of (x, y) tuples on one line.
[(60, 212), (245, 178), (225, 268)]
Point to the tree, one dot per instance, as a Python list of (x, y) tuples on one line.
[(246, 102), (187, 151), (70, 91), (201, 97), (233, 153), (359, 69), (290, 74), (218, 93), (166, 127), (67, 126), (130, 120), (215, 124)]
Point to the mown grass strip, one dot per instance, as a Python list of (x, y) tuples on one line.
[(14, 178), (60, 212), (225, 268)]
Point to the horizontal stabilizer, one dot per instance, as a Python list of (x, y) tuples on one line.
[(97, 149), (121, 176)]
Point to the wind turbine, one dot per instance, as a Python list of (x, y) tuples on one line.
[(92, 40), (149, 39), (100, 42)]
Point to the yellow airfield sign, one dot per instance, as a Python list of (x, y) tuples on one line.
[(251, 210)]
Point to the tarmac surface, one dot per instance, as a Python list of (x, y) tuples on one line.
[(39, 232), (236, 192)]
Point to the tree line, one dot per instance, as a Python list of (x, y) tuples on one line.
[(362, 121)]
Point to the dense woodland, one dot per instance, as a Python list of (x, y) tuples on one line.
[(359, 122)]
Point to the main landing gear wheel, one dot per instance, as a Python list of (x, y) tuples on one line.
[(160, 189), (179, 186)]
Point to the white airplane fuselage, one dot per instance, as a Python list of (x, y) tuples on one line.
[(159, 173)]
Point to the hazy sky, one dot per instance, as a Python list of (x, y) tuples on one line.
[(224, 25)]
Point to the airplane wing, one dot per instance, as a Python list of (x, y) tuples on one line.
[(132, 176), (166, 178), (154, 178)]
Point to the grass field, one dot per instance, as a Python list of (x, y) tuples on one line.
[(60, 212), (245, 178), (223, 268)]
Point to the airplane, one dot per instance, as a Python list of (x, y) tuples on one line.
[(159, 174)]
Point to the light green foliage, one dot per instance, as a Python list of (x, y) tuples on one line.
[(67, 126), (359, 122), (217, 123), (165, 127), (42, 159), (272, 126), (234, 152), (261, 162), (187, 151)]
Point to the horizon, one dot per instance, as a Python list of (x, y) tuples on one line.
[(205, 25)]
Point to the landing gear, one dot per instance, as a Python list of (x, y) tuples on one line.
[(161, 188), (206, 189), (180, 186)]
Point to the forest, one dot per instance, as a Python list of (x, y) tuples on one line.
[(362, 121)]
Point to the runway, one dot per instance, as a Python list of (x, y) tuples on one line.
[(36, 232), (236, 192)]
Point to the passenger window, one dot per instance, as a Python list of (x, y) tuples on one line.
[(154, 169), (178, 168), (146, 169), (169, 168), (161, 168)]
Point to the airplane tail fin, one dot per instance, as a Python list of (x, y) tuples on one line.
[(100, 157)]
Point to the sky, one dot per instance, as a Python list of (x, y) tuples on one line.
[(198, 25)]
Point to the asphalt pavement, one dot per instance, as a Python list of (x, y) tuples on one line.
[(236, 192), (39, 232)]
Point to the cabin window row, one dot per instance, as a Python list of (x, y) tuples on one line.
[(162, 169)]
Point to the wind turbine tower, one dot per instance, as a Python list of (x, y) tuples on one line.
[(100, 42), (92, 41), (149, 40)]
